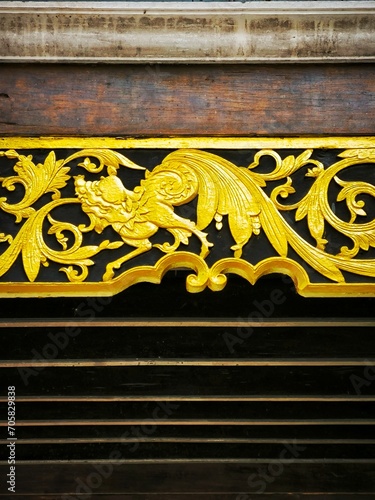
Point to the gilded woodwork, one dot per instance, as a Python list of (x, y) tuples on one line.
[(246, 201)]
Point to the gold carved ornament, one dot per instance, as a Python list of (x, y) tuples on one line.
[(223, 191)]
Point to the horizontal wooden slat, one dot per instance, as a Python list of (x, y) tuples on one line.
[(172, 461), (193, 412), (109, 399), (227, 433), (183, 362), (187, 100), (191, 451), (213, 421), (191, 382), (197, 478), (198, 345), (195, 323), (200, 441)]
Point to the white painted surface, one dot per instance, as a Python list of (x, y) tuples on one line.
[(181, 32)]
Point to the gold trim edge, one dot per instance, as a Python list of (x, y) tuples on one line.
[(205, 277), (187, 142)]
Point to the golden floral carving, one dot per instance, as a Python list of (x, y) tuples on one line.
[(225, 194)]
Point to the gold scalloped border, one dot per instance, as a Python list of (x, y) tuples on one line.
[(214, 278)]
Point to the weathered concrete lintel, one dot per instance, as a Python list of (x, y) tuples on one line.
[(179, 32)]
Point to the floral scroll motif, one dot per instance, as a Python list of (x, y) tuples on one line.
[(245, 198)]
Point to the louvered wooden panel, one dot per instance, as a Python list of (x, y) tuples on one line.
[(144, 402)]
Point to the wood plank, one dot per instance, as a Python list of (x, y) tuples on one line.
[(58, 363), (187, 100), (193, 412), (305, 346), (206, 421), (200, 441), (269, 433), (186, 323), (198, 478), (178, 451), (149, 383), (127, 399)]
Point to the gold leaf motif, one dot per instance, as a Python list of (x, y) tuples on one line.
[(37, 181), (349, 193)]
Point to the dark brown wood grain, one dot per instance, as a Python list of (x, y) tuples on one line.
[(186, 383), (144, 100), (329, 434), (177, 451), (283, 346), (196, 413), (194, 478)]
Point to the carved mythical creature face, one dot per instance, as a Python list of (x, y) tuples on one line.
[(106, 201)]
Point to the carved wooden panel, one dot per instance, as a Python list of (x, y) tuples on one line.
[(156, 392), (94, 216)]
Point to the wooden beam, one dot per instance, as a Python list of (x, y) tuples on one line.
[(139, 100)]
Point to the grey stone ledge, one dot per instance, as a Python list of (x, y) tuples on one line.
[(181, 32)]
